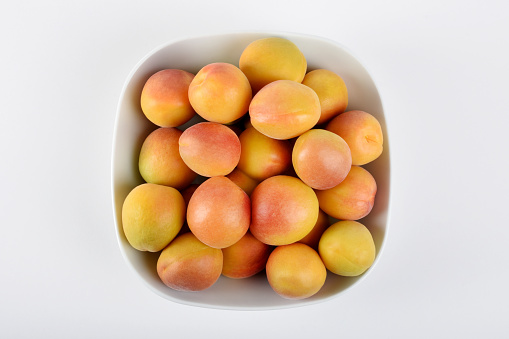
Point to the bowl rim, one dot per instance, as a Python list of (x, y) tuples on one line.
[(288, 35)]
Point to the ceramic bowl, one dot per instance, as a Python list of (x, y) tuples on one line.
[(131, 128)]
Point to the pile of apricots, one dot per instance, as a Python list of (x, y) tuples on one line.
[(278, 158)]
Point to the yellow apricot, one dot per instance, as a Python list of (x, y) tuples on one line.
[(347, 248)]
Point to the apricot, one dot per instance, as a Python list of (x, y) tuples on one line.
[(284, 109), (219, 212), (210, 149), (152, 216), (321, 159), (313, 237), (242, 180), (164, 99), (262, 157), (220, 92), (347, 248), (363, 134), (160, 162), (284, 210), (187, 264), (295, 271), (352, 199), (266, 60), (331, 90), (245, 258)]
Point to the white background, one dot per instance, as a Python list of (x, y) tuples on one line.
[(442, 70)]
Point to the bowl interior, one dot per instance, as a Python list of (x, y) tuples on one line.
[(132, 128)]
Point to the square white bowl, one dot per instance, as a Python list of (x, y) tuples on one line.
[(131, 129)]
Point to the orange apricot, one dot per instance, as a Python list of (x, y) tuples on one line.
[(164, 99), (160, 162), (284, 109), (245, 258), (295, 271), (321, 159), (352, 199), (284, 210), (219, 212), (220, 92), (210, 149), (363, 134), (187, 264)]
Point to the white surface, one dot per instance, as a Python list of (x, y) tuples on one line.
[(442, 70)]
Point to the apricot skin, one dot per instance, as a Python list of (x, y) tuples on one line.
[(321, 159), (210, 149), (284, 210), (152, 215), (331, 90), (245, 258), (219, 212), (242, 180), (295, 271), (347, 248), (352, 199), (187, 264), (363, 134), (313, 237), (262, 157), (160, 162), (164, 99), (220, 92), (270, 59), (284, 109)]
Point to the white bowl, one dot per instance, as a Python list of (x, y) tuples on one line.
[(131, 128)]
